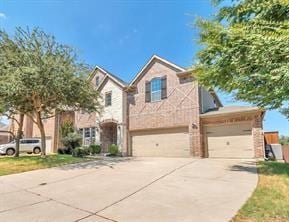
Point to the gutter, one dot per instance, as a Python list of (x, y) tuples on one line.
[(232, 113)]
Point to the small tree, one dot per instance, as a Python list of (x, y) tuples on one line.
[(245, 51), (66, 128), (49, 75)]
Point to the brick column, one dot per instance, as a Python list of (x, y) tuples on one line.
[(258, 137)]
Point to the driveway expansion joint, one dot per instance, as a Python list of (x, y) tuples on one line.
[(27, 205), (147, 185), (60, 202)]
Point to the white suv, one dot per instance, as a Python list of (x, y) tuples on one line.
[(26, 145)]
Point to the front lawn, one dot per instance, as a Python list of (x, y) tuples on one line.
[(10, 165), (270, 200)]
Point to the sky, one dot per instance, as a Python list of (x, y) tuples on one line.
[(122, 35)]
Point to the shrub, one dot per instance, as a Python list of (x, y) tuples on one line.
[(95, 149), (86, 150), (113, 150), (72, 140), (80, 152), (64, 150), (284, 140)]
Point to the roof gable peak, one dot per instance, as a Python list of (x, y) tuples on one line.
[(151, 60)]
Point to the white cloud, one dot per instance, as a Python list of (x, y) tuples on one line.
[(2, 15)]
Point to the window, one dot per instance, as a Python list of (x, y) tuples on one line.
[(97, 80), (86, 132), (156, 89), (108, 99)]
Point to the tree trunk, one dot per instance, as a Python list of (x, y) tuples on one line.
[(19, 134), (42, 132)]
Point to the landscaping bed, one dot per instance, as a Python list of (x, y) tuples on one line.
[(270, 200), (11, 165)]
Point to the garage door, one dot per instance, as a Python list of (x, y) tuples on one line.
[(162, 143), (230, 141)]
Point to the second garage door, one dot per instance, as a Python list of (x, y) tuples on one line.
[(230, 141), (162, 143)]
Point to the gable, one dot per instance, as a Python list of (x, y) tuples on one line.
[(97, 74), (102, 74), (151, 64), (109, 83)]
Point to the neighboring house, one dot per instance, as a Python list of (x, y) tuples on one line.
[(110, 125), (165, 112)]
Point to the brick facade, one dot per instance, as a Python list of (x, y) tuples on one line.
[(180, 108)]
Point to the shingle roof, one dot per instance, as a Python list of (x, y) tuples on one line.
[(116, 77), (230, 110)]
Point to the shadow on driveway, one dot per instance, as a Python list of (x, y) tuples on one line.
[(95, 164), (248, 166)]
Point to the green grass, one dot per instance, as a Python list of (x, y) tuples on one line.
[(270, 200), (11, 165)]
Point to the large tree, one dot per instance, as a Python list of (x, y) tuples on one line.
[(245, 51), (48, 74)]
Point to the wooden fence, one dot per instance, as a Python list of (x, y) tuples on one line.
[(286, 153), (271, 137)]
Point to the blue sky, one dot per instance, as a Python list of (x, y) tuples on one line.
[(122, 35)]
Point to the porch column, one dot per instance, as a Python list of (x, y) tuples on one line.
[(119, 137), (97, 135)]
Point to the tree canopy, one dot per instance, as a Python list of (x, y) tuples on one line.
[(246, 51), (41, 77)]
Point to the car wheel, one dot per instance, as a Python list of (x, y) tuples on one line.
[(10, 152), (36, 150)]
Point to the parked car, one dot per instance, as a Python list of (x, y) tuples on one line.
[(26, 145)]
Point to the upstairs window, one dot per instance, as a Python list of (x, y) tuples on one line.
[(108, 99), (156, 89)]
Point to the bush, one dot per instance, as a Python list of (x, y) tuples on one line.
[(94, 149), (72, 140), (113, 150), (284, 140), (86, 150), (64, 150), (80, 152)]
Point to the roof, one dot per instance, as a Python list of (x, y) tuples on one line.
[(152, 59), (230, 110), (110, 75), (123, 84)]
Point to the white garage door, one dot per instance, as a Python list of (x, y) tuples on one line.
[(162, 143), (230, 141)]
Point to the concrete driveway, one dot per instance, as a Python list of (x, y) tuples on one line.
[(141, 189)]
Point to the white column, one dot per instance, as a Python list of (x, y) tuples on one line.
[(97, 135), (119, 137)]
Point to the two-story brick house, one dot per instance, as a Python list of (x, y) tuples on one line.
[(165, 112)]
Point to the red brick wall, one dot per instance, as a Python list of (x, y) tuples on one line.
[(181, 108)]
